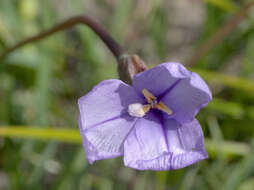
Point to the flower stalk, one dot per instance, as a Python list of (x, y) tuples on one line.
[(114, 47), (128, 65)]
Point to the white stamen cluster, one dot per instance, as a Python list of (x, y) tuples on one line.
[(136, 110)]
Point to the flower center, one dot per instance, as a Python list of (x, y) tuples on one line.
[(139, 110)]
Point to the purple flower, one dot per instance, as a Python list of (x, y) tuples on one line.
[(151, 124)]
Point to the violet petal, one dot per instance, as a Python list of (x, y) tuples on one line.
[(185, 146), (106, 101), (185, 142), (145, 142), (106, 140), (160, 78), (187, 98), (104, 122)]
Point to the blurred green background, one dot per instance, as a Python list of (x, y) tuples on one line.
[(40, 85)]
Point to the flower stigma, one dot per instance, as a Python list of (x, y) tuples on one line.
[(139, 110)]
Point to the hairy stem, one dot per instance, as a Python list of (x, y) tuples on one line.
[(223, 31)]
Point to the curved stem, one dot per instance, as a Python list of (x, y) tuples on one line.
[(114, 47), (128, 65), (220, 34)]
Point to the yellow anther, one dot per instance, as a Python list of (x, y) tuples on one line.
[(161, 106), (146, 108), (148, 95)]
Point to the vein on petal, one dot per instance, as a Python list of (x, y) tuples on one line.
[(168, 89), (163, 131), (103, 122), (136, 119)]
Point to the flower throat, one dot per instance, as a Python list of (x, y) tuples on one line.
[(139, 110)]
